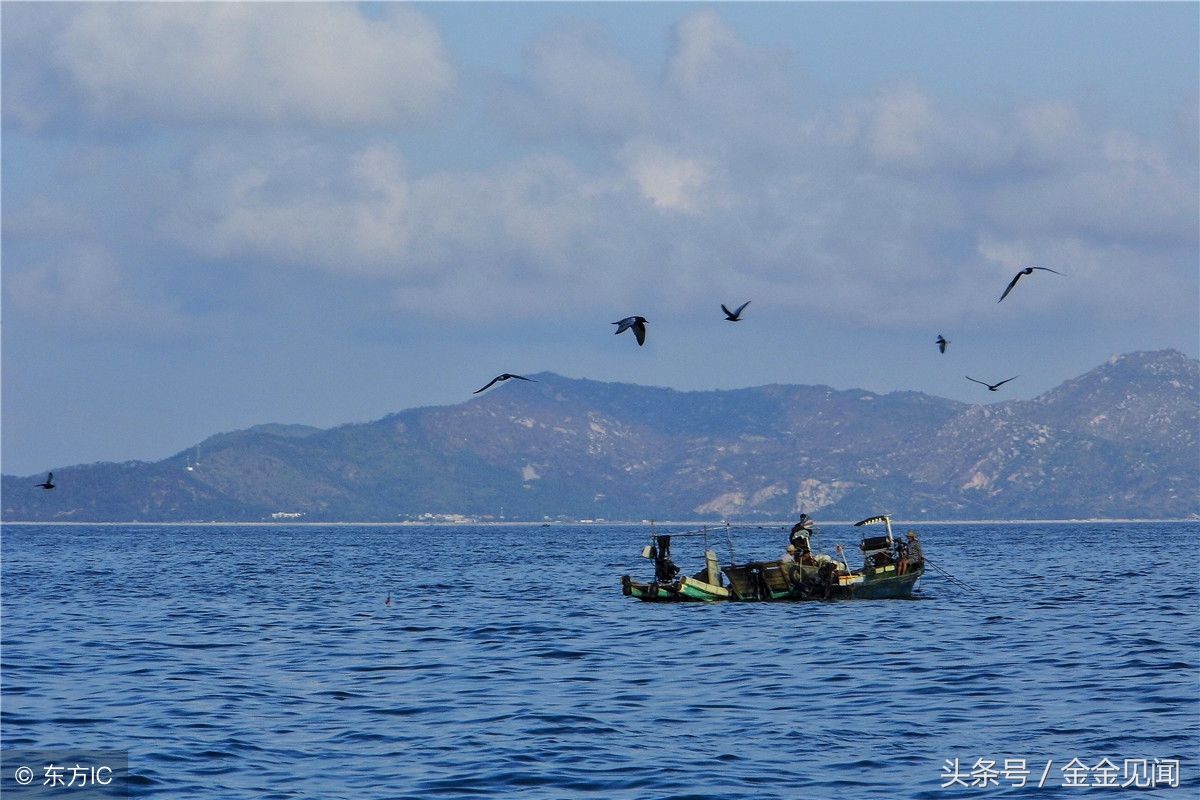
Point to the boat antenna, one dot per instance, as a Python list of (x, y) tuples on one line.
[(729, 541)]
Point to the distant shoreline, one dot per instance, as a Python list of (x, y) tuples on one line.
[(577, 524)]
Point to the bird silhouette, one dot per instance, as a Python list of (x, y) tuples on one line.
[(1017, 277), (942, 341), (992, 386), (639, 327), (503, 377), (49, 484), (734, 316)]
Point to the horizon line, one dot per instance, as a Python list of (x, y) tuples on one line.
[(602, 523)]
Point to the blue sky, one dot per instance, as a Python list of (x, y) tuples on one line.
[(217, 215)]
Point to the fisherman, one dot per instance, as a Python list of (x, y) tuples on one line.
[(799, 538), (802, 529), (915, 555), (790, 556), (665, 569)]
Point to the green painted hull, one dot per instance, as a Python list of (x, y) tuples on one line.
[(887, 587), (655, 592), (704, 592)]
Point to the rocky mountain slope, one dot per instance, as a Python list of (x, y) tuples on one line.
[(1119, 441)]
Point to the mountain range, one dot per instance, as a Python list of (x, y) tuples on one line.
[(1117, 442)]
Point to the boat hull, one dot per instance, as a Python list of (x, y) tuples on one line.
[(884, 587), (877, 586), (891, 569), (658, 592)]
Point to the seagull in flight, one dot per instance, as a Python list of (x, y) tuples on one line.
[(942, 341), (639, 327), (992, 386), (1017, 277), (503, 377), (49, 484), (734, 316)]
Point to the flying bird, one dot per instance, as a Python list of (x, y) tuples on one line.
[(639, 327), (942, 341), (49, 484), (1017, 277), (992, 386), (503, 377), (734, 316)]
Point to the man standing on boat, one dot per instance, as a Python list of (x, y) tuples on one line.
[(800, 548), (804, 526)]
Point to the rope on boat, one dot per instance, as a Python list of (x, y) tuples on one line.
[(955, 580)]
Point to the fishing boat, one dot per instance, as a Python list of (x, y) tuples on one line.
[(890, 569)]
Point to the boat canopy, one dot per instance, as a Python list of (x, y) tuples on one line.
[(871, 544)]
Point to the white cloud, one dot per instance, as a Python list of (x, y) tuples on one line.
[(291, 202), (667, 180), (667, 188), (48, 218), (715, 76), (586, 85), (1051, 133), (576, 82), (86, 288), (535, 225), (706, 47), (1118, 188), (902, 127), (882, 221), (248, 63)]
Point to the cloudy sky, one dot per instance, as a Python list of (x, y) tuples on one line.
[(218, 215)]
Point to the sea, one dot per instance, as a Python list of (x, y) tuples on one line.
[(1036, 660)]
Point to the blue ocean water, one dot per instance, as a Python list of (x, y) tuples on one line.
[(262, 662)]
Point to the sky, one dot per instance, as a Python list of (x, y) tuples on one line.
[(217, 215)]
